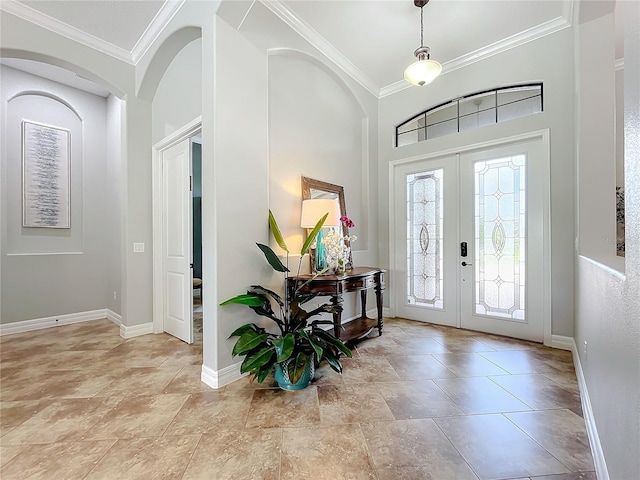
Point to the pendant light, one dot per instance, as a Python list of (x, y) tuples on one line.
[(425, 70)]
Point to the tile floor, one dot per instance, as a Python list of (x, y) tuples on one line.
[(420, 402)]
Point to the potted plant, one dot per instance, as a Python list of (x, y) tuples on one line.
[(299, 342)]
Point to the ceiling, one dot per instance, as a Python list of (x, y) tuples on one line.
[(373, 40)]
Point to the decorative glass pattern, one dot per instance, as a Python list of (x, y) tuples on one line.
[(424, 238), (500, 220)]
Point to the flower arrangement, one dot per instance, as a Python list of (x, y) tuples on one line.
[(338, 247)]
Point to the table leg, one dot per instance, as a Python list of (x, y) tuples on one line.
[(336, 301), (363, 303), (379, 288)]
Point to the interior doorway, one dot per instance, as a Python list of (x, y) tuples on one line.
[(471, 239), (173, 239)]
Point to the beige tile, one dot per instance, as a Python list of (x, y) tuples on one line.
[(419, 367), (237, 455), (569, 476), (138, 355), (140, 381), (378, 347), (352, 404), (72, 460), (507, 343), (417, 345), (277, 408), (480, 395), (140, 416), (8, 452), (410, 448), (518, 361), (146, 458), (13, 414), (483, 441), (560, 432), (368, 370), (63, 420), (469, 364), (207, 412), (338, 452), (463, 344), (325, 375), (538, 391), (417, 399), (188, 381)]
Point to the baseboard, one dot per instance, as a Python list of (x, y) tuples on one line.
[(562, 342), (48, 322), (386, 312), (592, 432), (218, 379), (136, 330), (114, 317)]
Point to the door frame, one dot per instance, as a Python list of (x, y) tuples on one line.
[(543, 136), (184, 133)]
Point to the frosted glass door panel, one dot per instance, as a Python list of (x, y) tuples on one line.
[(424, 238), (500, 237)]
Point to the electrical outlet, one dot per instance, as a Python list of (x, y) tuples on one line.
[(115, 295), (584, 350), (138, 247)]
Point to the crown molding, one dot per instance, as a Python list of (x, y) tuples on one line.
[(155, 28), (526, 36), (45, 21), (319, 42)]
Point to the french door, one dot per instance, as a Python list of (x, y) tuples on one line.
[(470, 236)]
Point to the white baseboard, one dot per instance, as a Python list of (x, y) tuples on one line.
[(48, 322), (136, 330), (562, 342), (225, 376), (592, 432), (114, 317)]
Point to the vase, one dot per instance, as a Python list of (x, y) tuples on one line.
[(320, 259), (281, 374)]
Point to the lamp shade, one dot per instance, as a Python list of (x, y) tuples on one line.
[(422, 72), (316, 208)]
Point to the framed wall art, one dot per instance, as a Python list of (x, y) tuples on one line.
[(46, 164)]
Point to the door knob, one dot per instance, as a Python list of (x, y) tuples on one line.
[(465, 264)]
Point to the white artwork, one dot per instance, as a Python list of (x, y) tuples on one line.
[(46, 157)]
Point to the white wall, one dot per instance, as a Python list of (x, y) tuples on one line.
[(178, 99), (548, 60), (64, 269), (113, 219), (607, 302)]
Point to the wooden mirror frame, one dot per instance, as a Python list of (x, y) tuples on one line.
[(310, 183)]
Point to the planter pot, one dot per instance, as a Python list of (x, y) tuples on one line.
[(281, 374)]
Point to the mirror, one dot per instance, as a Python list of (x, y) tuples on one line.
[(318, 189)]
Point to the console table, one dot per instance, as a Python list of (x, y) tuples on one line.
[(358, 279)]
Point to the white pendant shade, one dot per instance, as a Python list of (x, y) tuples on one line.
[(422, 72)]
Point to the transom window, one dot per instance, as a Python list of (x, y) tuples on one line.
[(471, 111)]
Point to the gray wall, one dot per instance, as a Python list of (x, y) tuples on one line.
[(607, 301), (64, 269)]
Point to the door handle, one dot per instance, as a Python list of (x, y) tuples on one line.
[(465, 264)]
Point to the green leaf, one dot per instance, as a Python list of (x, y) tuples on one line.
[(249, 299), (276, 232), (265, 291), (298, 367), (263, 372), (317, 348), (284, 346), (272, 258), (257, 360), (248, 341), (312, 235), (333, 341), (333, 361), (240, 330)]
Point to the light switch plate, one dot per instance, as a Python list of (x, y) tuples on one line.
[(138, 247)]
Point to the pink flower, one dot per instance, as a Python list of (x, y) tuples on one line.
[(347, 222)]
